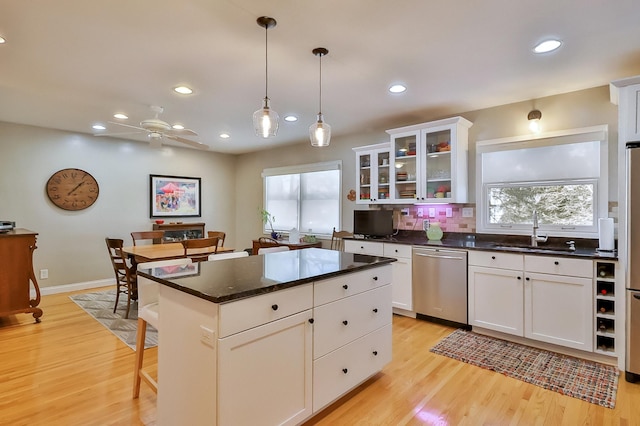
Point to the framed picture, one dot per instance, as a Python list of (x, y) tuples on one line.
[(177, 271), (174, 196)]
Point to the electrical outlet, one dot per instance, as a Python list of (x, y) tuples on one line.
[(425, 224), (467, 212), (44, 274), (207, 336), (449, 212), (420, 212), (432, 212)]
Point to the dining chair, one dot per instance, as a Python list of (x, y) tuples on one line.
[(232, 255), (265, 250), (124, 273), (147, 235), (218, 234), (148, 314), (199, 243), (337, 242)]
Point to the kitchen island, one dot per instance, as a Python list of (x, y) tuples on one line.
[(269, 339)]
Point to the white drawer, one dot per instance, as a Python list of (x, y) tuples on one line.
[(495, 259), (332, 289), (251, 312), (397, 250), (363, 247), (340, 322), (341, 370), (559, 266)]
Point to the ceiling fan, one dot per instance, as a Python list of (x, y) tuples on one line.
[(157, 129)]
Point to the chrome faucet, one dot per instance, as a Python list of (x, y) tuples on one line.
[(535, 239)]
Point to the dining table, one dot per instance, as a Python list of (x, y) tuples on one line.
[(154, 252)]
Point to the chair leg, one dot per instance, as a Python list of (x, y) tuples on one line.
[(117, 296), (126, 315), (140, 337)]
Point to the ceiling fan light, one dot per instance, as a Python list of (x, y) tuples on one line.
[(265, 121), (320, 133)]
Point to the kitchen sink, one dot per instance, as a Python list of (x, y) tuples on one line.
[(532, 249)]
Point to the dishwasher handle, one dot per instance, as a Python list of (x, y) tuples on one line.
[(439, 256)]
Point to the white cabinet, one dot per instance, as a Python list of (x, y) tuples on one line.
[(266, 358), (402, 292), (352, 332), (549, 299), (628, 93), (270, 366), (373, 174), (496, 291), (430, 161)]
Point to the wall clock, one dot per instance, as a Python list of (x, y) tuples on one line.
[(72, 189)]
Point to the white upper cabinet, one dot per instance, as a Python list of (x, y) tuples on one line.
[(626, 93), (429, 162), (373, 176)]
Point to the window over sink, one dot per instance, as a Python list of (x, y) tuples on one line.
[(561, 175)]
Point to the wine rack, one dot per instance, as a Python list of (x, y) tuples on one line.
[(605, 307)]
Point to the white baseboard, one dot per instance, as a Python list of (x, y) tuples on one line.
[(65, 288)]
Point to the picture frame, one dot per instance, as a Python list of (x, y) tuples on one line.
[(177, 271), (174, 196)]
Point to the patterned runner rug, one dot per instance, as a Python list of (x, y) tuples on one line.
[(590, 381), (100, 306)]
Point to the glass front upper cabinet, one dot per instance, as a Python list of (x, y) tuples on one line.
[(373, 175)]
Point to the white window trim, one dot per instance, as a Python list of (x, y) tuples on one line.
[(601, 189), (305, 168)]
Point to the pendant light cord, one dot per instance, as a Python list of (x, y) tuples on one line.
[(266, 62), (320, 112)]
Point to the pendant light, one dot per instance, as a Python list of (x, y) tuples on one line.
[(320, 132), (265, 120)]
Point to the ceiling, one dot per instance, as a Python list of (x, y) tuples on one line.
[(68, 64)]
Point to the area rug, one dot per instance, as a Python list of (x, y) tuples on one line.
[(100, 306), (590, 381)]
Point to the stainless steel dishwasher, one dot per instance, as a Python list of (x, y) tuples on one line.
[(440, 284)]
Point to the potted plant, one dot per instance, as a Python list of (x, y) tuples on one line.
[(269, 218)]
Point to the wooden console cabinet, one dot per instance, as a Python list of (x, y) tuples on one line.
[(180, 231), (16, 255)]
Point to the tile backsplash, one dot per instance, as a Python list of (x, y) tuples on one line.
[(455, 223)]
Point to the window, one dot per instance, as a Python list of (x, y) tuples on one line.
[(562, 176), (305, 197)]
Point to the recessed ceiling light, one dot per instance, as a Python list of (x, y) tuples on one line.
[(183, 90), (120, 116), (2, 40), (98, 127), (397, 88), (224, 135), (290, 118), (547, 46), (178, 126)]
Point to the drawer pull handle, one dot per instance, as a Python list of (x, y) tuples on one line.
[(556, 263), (274, 307), (519, 277), (375, 310), (527, 278), (493, 257), (345, 286), (310, 320), (375, 353), (375, 278), (345, 371), (345, 322)]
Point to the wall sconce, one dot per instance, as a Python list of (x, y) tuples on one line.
[(534, 117)]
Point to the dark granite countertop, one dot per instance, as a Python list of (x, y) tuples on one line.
[(230, 279), (585, 248)]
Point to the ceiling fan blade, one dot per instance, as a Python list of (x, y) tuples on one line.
[(128, 125), (181, 132), (118, 134), (194, 144)]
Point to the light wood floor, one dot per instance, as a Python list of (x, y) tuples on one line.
[(69, 370)]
